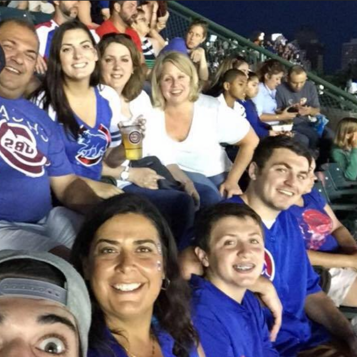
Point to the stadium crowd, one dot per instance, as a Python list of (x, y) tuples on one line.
[(150, 208)]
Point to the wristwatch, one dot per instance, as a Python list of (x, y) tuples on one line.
[(125, 174)]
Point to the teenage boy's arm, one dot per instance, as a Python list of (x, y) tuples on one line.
[(269, 296), (321, 309)]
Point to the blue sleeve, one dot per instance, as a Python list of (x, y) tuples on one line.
[(213, 337), (104, 4), (313, 96), (59, 164), (268, 349), (318, 198)]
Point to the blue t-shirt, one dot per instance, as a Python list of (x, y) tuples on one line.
[(87, 152), (227, 328), (31, 151), (289, 269), (315, 224), (166, 343), (261, 129)]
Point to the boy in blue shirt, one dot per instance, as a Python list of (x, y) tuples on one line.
[(229, 318)]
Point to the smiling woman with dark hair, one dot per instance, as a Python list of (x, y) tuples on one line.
[(128, 256)]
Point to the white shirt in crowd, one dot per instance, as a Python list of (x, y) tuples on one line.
[(201, 152)]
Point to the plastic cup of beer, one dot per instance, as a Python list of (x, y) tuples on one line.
[(132, 140)]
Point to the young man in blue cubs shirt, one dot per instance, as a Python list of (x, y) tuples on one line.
[(278, 174), (228, 318), (32, 158)]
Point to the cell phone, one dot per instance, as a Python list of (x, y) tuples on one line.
[(293, 110)]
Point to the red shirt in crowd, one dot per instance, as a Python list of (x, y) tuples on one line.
[(108, 27)]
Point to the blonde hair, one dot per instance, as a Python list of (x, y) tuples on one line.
[(345, 127), (185, 65)]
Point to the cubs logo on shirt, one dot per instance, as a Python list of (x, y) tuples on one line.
[(93, 147), (269, 266), (18, 148)]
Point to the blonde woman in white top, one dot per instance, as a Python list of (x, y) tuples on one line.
[(195, 126)]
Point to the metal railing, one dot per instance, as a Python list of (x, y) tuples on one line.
[(227, 42)]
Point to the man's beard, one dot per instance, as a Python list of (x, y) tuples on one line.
[(128, 20), (72, 12)]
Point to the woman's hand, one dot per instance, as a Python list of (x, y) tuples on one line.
[(229, 189), (190, 189), (144, 177)]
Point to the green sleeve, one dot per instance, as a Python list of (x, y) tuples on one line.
[(347, 161)]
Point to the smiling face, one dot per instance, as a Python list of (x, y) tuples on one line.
[(174, 85), (20, 45), (195, 37), (272, 81), (282, 180), (117, 66), (235, 258), (77, 55), (38, 328), (125, 267)]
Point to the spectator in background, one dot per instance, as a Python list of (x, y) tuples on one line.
[(156, 13), (64, 11), (215, 86), (262, 129), (271, 75), (45, 306), (234, 84), (89, 13), (36, 6), (122, 15), (151, 41), (300, 95), (344, 151), (329, 244), (195, 125), (196, 35)]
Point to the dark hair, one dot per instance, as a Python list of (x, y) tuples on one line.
[(53, 86), (270, 67), (266, 147), (136, 82), (112, 3), (233, 61), (252, 75), (232, 74), (296, 70), (31, 269), (199, 22), (20, 22), (172, 306), (211, 215)]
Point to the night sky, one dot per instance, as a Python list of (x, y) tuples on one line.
[(334, 21)]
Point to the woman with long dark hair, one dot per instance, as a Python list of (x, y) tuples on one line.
[(88, 114), (127, 255)]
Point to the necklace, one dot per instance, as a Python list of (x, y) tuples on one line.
[(152, 348)]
